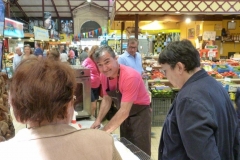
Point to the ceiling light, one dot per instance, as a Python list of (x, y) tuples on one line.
[(88, 0), (177, 12), (188, 20)]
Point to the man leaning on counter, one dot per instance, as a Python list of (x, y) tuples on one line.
[(125, 87)]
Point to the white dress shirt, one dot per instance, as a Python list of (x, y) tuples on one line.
[(16, 60)]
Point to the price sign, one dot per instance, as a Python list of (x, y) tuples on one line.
[(211, 54), (148, 68), (227, 79)]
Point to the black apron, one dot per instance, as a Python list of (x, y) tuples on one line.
[(137, 127)]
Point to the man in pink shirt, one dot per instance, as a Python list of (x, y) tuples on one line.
[(125, 87)]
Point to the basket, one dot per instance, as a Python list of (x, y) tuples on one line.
[(160, 107)]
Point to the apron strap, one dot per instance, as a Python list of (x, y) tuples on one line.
[(117, 90)]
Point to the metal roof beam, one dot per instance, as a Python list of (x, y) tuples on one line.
[(55, 9), (20, 8), (70, 9), (40, 11)]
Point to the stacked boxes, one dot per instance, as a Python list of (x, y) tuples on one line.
[(160, 108)]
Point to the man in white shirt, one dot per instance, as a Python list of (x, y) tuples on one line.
[(17, 58), (63, 54)]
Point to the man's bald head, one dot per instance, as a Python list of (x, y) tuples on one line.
[(18, 51)]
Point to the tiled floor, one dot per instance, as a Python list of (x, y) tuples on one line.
[(156, 131)]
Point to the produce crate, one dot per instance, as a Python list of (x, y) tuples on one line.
[(161, 93), (160, 107), (222, 70)]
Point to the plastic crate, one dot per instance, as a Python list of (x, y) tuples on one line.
[(162, 94), (160, 107), (222, 70)]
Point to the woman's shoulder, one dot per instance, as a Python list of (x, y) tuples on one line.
[(88, 61), (95, 134)]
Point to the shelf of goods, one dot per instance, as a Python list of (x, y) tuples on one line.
[(162, 99), (8, 59), (163, 93)]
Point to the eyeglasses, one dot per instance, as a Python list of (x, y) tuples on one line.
[(132, 47), (163, 71)]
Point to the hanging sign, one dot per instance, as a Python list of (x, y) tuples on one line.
[(13, 28), (209, 35), (2, 11), (47, 20), (41, 34)]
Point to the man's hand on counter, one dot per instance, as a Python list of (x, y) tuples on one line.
[(96, 125)]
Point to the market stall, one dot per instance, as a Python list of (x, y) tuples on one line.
[(226, 71)]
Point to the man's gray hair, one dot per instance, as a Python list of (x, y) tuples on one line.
[(99, 52), (132, 40)]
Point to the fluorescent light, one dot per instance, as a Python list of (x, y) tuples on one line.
[(89, 0)]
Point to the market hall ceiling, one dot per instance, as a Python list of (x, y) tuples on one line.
[(124, 10), (27, 9)]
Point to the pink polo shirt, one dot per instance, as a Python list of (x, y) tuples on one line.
[(131, 86)]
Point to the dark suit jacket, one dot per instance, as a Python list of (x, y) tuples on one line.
[(201, 124)]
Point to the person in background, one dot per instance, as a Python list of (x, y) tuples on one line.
[(202, 123), (71, 56), (131, 57), (38, 51), (84, 54), (17, 58), (54, 55), (42, 96), (27, 52), (125, 87), (63, 54), (76, 52), (95, 78), (80, 50)]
